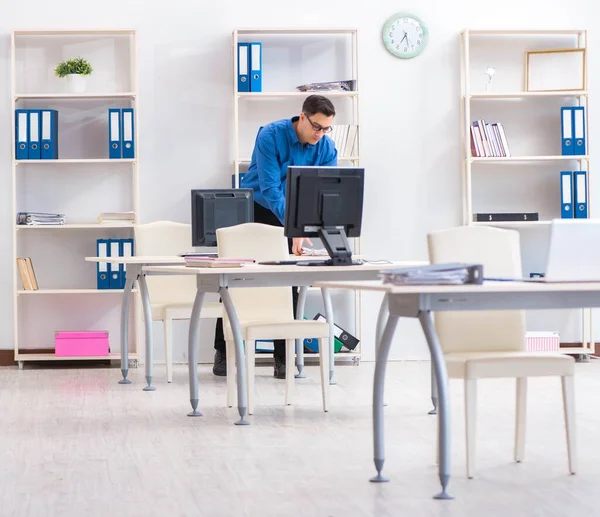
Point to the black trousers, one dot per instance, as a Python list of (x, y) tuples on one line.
[(265, 216)]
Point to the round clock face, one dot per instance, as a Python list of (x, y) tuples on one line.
[(405, 35)]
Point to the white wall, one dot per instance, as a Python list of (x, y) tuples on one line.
[(409, 111)]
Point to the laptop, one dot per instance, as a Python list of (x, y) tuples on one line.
[(574, 251)]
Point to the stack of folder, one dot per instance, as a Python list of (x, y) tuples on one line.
[(43, 218), (435, 274), (573, 195), (204, 261), (112, 276), (121, 133), (249, 66), (36, 134), (572, 123), (330, 86)]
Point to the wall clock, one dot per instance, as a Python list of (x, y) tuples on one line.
[(405, 35)]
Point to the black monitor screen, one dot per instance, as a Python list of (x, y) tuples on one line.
[(219, 208)]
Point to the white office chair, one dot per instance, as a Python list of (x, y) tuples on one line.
[(171, 297), (487, 344), (267, 312)]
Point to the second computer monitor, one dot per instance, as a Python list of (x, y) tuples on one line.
[(219, 208), (325, 202)]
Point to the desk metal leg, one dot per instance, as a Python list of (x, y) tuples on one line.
[(378, 388), (329, 317), (148, 330), (434, 390), (437, 358), (300, 342), (384, 310), (131, 275), (239, 356), (193, 339)]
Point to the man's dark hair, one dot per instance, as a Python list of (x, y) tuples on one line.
[(318, 104)]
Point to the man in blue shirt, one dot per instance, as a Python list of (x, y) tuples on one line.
[(297, 141)]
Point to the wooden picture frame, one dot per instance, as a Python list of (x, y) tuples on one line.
[(555, 70)]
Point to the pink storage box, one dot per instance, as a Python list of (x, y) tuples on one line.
[(543, 341), (81, 344)]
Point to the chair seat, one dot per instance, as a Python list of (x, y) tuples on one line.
[(183, 311), (288, 329), (474, 365)]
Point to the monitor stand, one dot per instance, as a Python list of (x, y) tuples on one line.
[(337, 246)]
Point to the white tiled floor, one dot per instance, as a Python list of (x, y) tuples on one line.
[(76, 443)]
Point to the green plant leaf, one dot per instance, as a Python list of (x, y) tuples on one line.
[(76, 65)]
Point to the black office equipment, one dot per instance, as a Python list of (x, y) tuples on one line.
[(219, 208), (326, 202)]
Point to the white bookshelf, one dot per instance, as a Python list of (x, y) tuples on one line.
[(81, 183), (528, 180), (292, 57)]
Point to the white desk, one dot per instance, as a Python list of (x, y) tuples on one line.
[(218, 280), (420, 301)]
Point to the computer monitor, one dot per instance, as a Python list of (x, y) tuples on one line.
[(219, 208), (325, 202)]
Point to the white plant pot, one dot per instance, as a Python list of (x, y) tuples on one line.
[(76, 83)]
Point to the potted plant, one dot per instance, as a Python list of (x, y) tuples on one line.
[(75, 70)]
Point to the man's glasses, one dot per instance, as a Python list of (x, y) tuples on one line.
[(318, 127)]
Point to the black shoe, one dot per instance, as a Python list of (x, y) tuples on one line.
[(220, 366), (279, 372)]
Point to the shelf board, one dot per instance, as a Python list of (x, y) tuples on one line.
[(73, 32), (521, 32), (489, 159), (575, 350), (51, 357), (275, 95), (71, 96), (518, 95), (340, 158), (73, 291), (512, 224), (79, 161), (296, 30), (94, 226)]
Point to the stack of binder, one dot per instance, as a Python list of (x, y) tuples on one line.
[(249, 66), (573, 195), (435, 274), (42, 218), (36, 134), (572, 122), (330, 86), (121, 133), (112, 276)]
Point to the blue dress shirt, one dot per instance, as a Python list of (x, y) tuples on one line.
[(277, 147)]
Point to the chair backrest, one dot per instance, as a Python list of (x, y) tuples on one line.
[(499, 252), (164, 238), (260, 242)]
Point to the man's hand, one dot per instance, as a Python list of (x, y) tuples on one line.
[(297, 245)]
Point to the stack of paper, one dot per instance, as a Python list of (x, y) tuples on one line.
[(329, 86), (31, 218), (435, 274), (116, 217)]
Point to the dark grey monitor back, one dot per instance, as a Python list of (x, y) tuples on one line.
[(219, 208)]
